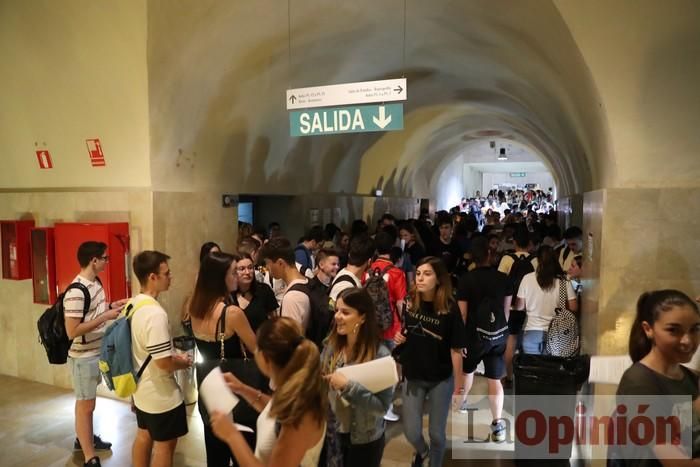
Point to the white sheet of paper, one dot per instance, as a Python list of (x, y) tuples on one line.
[(376, 375), (608, 369), (243, 428), (216, 394)]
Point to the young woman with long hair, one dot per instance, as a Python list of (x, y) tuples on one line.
[(204, 251), (210, 312), (291, 427), (664, 335), (431, 358), (539, 296), (358, 414)]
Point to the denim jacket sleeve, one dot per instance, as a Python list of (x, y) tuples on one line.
[(361, 398)]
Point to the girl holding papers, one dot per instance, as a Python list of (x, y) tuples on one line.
[(357, 413), (291, 427), (431, 358)]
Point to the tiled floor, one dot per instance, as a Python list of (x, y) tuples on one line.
[(36, 429)]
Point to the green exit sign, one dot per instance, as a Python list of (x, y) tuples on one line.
[(354, 119), (517, 174)]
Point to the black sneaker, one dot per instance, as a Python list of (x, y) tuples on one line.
[(98, 444), (94, 462), (420, 461)]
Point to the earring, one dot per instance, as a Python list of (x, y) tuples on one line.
[(354, 330)]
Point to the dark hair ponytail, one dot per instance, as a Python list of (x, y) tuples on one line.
[(649, 307), (548, 268)]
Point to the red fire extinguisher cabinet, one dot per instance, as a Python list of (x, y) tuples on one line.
[(43, 265), (115, 278), (16, 257)]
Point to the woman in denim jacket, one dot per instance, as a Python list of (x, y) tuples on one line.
[(358, 413)]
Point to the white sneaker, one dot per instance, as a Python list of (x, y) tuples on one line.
[(390, 415)]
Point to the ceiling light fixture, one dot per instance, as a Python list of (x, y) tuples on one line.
[(502, 155)]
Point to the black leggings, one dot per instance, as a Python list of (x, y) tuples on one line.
[(218, 452), (365, 455)]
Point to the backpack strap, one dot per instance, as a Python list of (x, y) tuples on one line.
[(128, 312), (567, 252), (86, 296), (301, 287), (343, 278), (86, 300)]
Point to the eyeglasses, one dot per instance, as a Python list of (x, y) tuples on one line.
[(245, 268)]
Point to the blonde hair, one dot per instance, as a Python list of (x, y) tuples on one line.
[(300, 389)]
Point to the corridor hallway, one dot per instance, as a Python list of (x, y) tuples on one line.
[(37, 431)]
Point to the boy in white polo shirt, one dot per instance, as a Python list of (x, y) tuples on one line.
[(160, 408), (86, 333)]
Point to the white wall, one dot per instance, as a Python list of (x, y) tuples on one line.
[(450, 188), (473, 180)]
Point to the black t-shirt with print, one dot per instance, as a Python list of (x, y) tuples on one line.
[(260, 307), (430, 338)]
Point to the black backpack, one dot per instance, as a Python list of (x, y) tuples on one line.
[(567, 252), (321, 310), (490, 320), (522, 265), (378, 289), (52, 326)]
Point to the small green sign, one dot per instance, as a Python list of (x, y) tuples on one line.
[(355, 119)]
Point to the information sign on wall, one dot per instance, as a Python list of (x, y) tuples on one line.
[(44, 158), (97, 157)]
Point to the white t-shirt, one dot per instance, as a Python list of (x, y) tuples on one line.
[(296, 305), (278, 286), (89, 344), (157, 391), (339, 286), (540, 304)]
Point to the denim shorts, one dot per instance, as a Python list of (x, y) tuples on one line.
[(86, 377)]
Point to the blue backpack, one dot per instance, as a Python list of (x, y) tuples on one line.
[(116, 362)]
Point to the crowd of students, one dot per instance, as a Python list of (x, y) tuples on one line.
[(291, 314)]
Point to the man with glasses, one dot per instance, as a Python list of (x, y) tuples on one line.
[(86, 333)]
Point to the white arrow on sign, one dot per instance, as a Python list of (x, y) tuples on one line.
[(383, 120)]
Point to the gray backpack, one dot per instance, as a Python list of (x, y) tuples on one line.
[(563, 336)]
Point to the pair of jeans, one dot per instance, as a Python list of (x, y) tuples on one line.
[(439, 395), (534, 342), (364, 455)]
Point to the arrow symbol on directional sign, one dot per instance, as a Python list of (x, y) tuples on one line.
[(292, 99), (383, 119), (398, 89)]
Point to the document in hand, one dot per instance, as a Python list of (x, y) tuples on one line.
[(376, 375), (216, 394), (608, 369)]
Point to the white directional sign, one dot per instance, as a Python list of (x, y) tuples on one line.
[(387, 90)]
